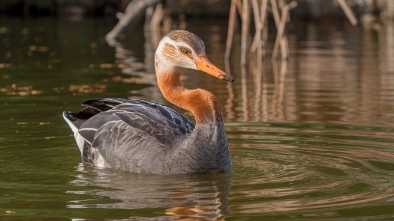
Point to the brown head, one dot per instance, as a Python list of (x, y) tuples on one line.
[(182, 49)]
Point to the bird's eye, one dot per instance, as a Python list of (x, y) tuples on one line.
[(184, 50)]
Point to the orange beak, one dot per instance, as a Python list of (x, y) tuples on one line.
[(206, 66)]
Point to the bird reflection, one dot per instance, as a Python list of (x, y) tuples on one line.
[(183, 197)]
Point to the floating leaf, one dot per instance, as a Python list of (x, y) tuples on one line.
[(14, 89), (10, 212), (84, 88), (33, 48), (2, 65)]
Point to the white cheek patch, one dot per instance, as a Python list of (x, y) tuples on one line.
[(170, 61)]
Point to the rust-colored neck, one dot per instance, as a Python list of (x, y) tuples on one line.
[(201, 103)]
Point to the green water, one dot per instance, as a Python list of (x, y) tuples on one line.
[(311, 139)]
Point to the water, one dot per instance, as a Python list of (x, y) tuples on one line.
[(311, 138)]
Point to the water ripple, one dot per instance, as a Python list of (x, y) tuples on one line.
[(298, 167)]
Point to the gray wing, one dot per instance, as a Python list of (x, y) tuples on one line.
[(128, 129)]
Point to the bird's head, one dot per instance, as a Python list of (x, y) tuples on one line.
[(182, 49)]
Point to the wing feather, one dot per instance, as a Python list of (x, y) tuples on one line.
[(120, 127)]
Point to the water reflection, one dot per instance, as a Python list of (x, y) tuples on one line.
[(199, 196), (386, 47), (337, 78), (292, 168), (332, 76), (140, 72)]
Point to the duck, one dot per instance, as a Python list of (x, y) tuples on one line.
[(142, 136)]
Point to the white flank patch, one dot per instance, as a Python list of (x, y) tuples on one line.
[(80, 141), (100, 161)]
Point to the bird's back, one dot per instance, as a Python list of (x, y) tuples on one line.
[(131, 135)]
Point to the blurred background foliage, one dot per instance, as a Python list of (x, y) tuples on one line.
[(306, 9)]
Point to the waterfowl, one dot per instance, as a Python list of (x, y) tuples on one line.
[(147, 137)]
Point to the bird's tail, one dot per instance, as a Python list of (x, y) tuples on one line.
[(68, 117)]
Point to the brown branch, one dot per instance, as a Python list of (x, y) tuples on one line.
[(348, 12), (133, 9), (230, 31), (257, 23), (157, 17), (281, 27), (245, 32), (275, 12), (258, 41)]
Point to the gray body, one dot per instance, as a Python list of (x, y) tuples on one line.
[(147, 137)]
